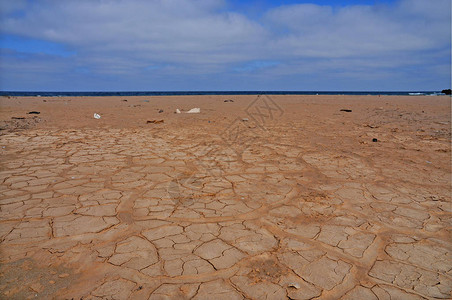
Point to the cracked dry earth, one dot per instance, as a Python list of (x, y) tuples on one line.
[(307, 208)]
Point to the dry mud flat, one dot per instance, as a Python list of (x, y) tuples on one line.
[(296, 202)]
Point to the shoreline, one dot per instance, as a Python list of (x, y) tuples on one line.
[(217, 93)]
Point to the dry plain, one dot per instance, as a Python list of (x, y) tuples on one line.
[(280, 197)]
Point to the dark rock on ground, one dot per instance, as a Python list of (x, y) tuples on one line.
[(155, 121)]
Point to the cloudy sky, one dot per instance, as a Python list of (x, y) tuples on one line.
[(174, 45)]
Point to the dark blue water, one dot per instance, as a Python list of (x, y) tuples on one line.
[(183, 93)]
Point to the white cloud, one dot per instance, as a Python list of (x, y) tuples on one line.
[(150, 29), (200, 37), (320, 31)]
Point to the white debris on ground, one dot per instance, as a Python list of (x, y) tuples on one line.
[(195, 110)]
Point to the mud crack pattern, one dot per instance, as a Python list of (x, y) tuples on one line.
[(132, 214)]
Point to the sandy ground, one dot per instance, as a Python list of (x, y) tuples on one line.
[(260, 198)]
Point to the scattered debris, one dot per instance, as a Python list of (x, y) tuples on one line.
[(195, 110), (18, 123), (228, 100), (177, 111), (346, 110), (245, 119), (155, 121), (160, 111), (96, 116), (294, 285), (374, 140), (34, 112)]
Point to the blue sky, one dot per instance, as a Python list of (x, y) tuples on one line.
[(158, 45)]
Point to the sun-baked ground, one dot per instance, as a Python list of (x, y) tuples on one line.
[(258, 198)]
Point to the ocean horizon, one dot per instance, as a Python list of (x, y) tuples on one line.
[(187, 93)]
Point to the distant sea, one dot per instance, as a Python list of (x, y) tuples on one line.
[(185, 93)]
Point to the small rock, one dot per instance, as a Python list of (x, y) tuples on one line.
[(64, 275), (18, 118), (124, 100), (228, 100), (51, 281), (346, 110), (294, 285), (160, 111), (37, 287), (245, 120), (177, 111), (34, 113), (374, 140), (155, 121)]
